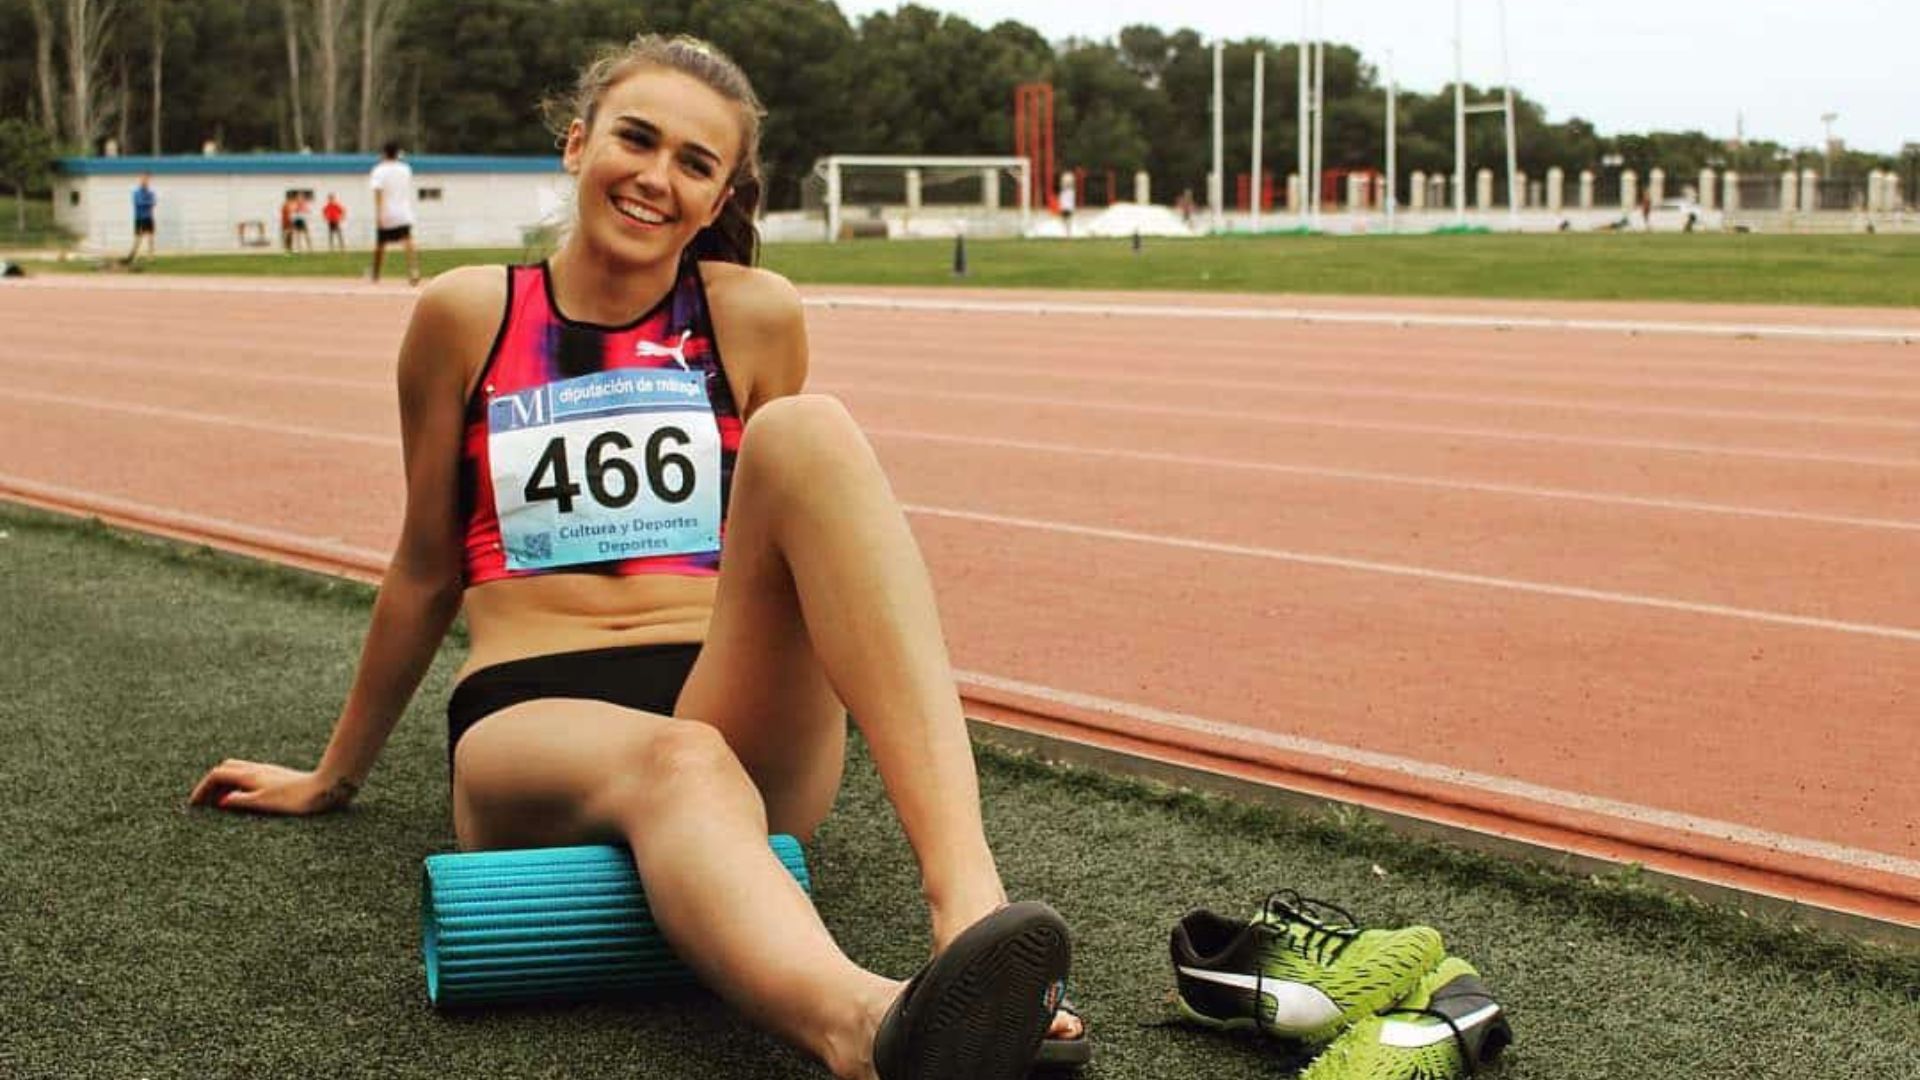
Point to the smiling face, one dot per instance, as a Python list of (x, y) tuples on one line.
[(654, 164)]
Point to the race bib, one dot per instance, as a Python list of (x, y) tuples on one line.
[(613, 465)]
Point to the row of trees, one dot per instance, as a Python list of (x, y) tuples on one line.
[(160, 76)]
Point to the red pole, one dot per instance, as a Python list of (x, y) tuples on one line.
[(1033, 140)]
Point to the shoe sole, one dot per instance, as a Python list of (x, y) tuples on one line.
[(983, 1011)]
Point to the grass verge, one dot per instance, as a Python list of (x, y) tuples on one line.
[(143, 939), (1873, 271)]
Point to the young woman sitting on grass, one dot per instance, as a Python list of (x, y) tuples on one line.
[(575, 448)]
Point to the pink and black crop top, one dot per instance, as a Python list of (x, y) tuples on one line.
[(598, 449)]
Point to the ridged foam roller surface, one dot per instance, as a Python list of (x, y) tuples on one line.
[(501, 926)]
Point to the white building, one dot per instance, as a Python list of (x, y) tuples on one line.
[(227, 202)]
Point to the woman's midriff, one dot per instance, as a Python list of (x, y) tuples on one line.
[(515, 618)]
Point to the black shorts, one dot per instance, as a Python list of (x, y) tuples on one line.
[(645, 677), (299, 224), (142, 226), (394, 235)]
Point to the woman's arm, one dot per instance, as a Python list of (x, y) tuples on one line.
[(420, 593)]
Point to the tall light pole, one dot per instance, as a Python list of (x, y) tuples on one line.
[(1319, 118), (1306, 110), (1514, 198), (1219, 185), (1393, 125), (1459, 117), (1259, 121)]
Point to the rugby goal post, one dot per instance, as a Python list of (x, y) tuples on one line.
[(951, 188)]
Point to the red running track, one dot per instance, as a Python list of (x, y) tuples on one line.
[(1633, 581)]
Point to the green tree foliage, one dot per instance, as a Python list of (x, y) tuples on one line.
[(26, 155), (471, 77)]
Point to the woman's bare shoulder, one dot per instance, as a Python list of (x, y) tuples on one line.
[(465, 294), (750, 294), (758, 319)]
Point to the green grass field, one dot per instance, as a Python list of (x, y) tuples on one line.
[(143, 939), (1874, 271)]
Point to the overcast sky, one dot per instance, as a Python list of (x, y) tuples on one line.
[(1625, 65)]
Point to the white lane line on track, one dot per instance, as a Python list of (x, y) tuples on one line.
[(1063, 448), (187, 416), (1405, 479), (1445, 431), (1369, 393), (1708, 827), (1305, 420), (1348, 362), (163, 284), (1395, 569), (1422, 573), (1897, 335), (190, 522), (383, 387), (1500, 785)]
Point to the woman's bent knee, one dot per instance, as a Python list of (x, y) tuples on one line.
[(804, 429), (677, 762)]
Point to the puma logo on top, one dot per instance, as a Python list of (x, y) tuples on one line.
[(678, 350)]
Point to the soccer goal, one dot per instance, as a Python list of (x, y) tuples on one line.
[(860, 195)]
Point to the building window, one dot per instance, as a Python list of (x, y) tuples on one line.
[(73, 197), (429, 194)]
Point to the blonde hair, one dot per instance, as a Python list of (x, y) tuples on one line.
[(732, 237)]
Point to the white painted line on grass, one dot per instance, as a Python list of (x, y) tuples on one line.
[(1500, 785), (1422, 573), (1684, 505), (1897, 335)]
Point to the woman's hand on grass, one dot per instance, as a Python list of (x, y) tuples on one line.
[(259, 788)]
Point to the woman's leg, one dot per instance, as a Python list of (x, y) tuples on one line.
[(823, 592), (557, 771)]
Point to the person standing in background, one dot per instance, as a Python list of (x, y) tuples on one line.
[(302, 211), (335, 213), (144, 200), (392, 184)]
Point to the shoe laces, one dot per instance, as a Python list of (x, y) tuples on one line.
[(1313, 928), (1453, 1026)]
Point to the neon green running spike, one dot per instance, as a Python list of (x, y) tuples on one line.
[(1294, 970), (1447, 1028)]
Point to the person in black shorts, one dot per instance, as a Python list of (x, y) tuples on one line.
[(630, 676), (392, 183), (144, 201)]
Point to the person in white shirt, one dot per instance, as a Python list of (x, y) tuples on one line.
[(392, 184)]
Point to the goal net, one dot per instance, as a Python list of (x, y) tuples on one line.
[(915, 196)]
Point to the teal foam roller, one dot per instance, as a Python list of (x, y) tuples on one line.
[(504, 926)]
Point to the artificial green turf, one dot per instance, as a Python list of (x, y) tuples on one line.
[(1874, 271), (143, 939)]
